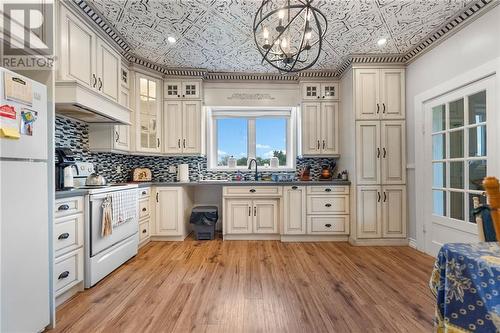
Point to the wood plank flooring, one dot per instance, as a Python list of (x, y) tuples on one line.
[(258, 286)]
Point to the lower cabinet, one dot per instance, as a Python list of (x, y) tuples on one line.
[(144, 215), (252, 216), (381, 211), (172, 211), (294, 210)]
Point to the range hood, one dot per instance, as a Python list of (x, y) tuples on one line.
[(75, 100)]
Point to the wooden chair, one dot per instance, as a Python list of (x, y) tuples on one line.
[(490, 227), (492, 188)]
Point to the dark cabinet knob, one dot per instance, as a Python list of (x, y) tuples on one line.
[(328, 205), (294, 187), (144, 192), (144, 231), (63, 207), (328, 225), (144, 209), (252, 190), (63, 236), (63, 275), (328, 189)]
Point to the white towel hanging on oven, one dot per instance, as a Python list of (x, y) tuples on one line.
[(124, 206)]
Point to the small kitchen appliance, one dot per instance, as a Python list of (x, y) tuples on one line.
[(141, 175), (65, 158)]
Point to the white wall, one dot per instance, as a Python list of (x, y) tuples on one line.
[(474, 45)]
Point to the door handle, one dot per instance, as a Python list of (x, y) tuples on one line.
[(379, 197), (117, 136), (378, 108), (328, 205), (324, 144), (95, 80), (385, 196), (383, 105), (179, 143), (385, 152), (63, 207), (63, 275), (63, 236), (378, 152), (255, 211), (183, 143), (249, 211), (100, 84)]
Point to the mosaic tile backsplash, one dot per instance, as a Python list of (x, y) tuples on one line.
[(75, 135)]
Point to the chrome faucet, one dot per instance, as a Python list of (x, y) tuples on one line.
[(250, 168)]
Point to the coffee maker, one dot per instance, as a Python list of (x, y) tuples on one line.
[(65, 158)]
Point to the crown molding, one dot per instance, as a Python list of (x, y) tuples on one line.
[(461, 19)]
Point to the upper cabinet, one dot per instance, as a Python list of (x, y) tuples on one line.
[(86, 58), (320, 135), (320, 90), (182, 89), (148, 114), (379, 94)]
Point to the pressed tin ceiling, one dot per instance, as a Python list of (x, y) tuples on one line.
[(216, 35)]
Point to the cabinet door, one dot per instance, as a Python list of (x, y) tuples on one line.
[(369, 209), (148, 115), (108, 71), (173, 90), (77, 45), (366, 95), (294, 210), (393, 145), (311, 91), (330, 91), (392, 93), (191, 127), (265, 216), (329, 128), (394, 211), (168, 211), (122, 137), (239, 216), (311, 128), (173, 127), (368, 152), (191, 90)]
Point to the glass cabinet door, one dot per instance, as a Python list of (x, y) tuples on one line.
[(173, 90), (191, 90), (311, 91), (329, 91), (148, 115)]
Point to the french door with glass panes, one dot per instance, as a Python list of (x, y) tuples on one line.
[(457, 144)]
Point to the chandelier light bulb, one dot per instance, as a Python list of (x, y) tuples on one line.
[(281, 14), (265, 33), (308, 35)]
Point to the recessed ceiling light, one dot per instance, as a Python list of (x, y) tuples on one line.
[(171, 39), (382, 41)]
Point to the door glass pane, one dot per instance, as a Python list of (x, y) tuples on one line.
[(232, 141), (457, 175), (143, 86), (270, 135), (477, 141), (457, 113), (439, 202), (152, 89), (457, 205), (477, 108), (482, 202), (438, 118), (477, 172), (439, 174), (438, 147), (457, 144)]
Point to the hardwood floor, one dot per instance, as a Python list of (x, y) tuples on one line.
[(258, 286)]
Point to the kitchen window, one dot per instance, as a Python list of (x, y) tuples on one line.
[(236, 136)]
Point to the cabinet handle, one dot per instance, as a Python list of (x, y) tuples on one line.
[(63, 275), (183, 96), (328, 205), (385, 196), (328, 189), (157, 197), (324, 144), (95, 80), (117, 136), (249, 211), (328, 225), (294, 187), (100, 84), (378, 108), (183, 143), (255, 211), (144, 209), (63, 207), (317, 97), (158, 141), (144, 192), (252, 190), (63, 236), (323, 96), (144, 231), (179, 143), (378, 195), (318, 144), (378, 152), (385, 152), (178, 95), (383, 105)]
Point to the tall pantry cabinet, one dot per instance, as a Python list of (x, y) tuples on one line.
[(379, 161)]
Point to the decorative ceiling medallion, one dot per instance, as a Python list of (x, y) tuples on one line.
[(289, 34)]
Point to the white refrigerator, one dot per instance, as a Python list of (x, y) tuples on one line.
[(24, 205)]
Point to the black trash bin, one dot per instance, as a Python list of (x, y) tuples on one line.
[(203, 219)]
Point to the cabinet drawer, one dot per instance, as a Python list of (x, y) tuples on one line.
[(338, 225), (143, 230), (68, 271), (338, 204), (68, 206), (68, 234), (251, 191), (144, 209), (144, 192), (327, 190)]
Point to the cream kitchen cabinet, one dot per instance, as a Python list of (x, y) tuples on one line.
[(85, 57), (265, 216), (182, 127), (320, 90), (148, 115), (380, 152), (182, 89), (379, 93), (381, 211), (252, 216), (239, 216), (320, 128), (294, 210), (172, 211)]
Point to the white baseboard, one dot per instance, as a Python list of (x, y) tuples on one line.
[(412, 242), (252, 237), (69, 294), (378, 242), (314, 238)]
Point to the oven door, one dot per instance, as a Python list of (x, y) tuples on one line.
[(121, 232)]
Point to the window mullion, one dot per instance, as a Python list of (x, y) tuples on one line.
[(251, 140)]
